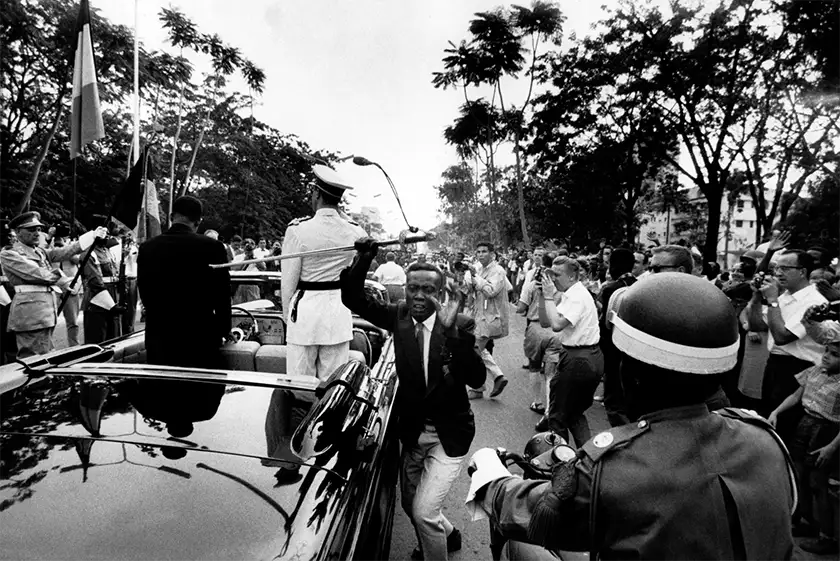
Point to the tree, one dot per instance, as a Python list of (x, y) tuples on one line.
[(816, 219), (225, 59), (494, 51), (243, 171)]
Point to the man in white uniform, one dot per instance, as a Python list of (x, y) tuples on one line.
[(319, 327)]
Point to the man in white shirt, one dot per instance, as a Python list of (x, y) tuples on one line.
[(392, 277), (579, 363), (788, 295), (262, 250)]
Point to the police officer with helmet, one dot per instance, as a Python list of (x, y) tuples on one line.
[(679, 481)]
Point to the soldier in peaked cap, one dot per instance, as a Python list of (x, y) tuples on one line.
[(680, 481), (27, 267), (319, 327)]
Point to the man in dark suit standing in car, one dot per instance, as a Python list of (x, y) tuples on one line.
[(435, 360), (187, 302)]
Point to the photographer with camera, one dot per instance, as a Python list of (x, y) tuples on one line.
[(247, 292), (788, 295)]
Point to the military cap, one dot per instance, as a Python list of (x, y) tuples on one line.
[(677, 322), (329, 181), (26, 220)]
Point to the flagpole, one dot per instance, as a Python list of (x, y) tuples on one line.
[(73, 208), (136, 140)]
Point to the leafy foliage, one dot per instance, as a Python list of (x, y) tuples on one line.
[(705, 94), (250, 182)]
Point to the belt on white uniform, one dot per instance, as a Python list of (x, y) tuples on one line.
[(28, 288), (110, 279), (303, 286)]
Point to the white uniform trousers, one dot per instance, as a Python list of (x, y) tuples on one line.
[(316, 360)]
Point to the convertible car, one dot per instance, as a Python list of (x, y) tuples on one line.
[(104, 456)]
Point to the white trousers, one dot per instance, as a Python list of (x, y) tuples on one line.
[(426, 478), (316, 360)]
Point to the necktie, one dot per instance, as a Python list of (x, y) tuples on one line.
[(418, 335)]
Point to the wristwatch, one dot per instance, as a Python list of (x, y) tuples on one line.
[(773, 304)]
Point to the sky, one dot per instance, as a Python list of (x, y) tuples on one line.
[(353, 78)]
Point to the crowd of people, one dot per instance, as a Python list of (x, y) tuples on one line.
[(786, 370), (641, 331)]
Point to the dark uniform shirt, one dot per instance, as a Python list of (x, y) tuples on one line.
[(681, 483)]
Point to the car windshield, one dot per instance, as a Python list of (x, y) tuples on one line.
[(244, 290)]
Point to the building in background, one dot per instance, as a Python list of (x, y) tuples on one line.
[(737, 225)]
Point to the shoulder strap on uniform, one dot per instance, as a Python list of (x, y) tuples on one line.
[(594, 450), (297, 221), (753, 418), (746, 415), (608, 440)]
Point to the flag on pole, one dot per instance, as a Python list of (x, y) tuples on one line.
[(129, 200), (152, 212), (85, 115)]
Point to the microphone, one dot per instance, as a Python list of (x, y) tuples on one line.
[(362, 161)]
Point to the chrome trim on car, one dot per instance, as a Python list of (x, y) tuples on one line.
[(287, 381)]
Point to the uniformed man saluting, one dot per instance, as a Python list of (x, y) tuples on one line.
[(319, 327), (102, 314), (27, 267)]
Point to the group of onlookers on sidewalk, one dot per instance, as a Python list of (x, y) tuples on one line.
[(788, 368)]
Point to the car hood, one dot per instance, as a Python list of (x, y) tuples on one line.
[(89, 478)]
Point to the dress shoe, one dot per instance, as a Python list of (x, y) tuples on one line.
[(286, 476), (499, 386), (475, 394), (820, 546), (453, 543)]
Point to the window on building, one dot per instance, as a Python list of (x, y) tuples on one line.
[(739, 223), (752, 223), (740, 205)]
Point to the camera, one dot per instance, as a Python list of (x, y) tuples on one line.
[(830, 311), (758, 279)]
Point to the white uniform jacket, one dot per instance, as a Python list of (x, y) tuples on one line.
[(320, 318), (34, 307)]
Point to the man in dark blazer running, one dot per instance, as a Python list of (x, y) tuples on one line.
[(435, 360), (187, 303)]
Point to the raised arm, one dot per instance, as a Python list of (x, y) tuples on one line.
[(353, 293)]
